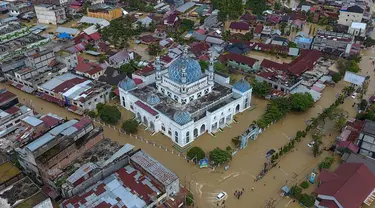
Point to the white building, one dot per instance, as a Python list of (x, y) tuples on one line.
[(184, 103), (350, 14), (50, 14), (357, 29)]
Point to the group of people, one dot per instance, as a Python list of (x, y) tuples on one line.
[(238, 194)]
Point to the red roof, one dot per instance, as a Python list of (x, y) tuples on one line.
[(137, 81), (273, 65), (83, 67), (52, 99), (50, 121), (146, 108), (95, 36), (350, 184), (304, 62), (82, 123), (63, 87), (12, 110), (95, 70), (239, 26), (241, 59), (328, 204), (80, 37), (258, 28), (199, 48), (145, 70), (6, 96)]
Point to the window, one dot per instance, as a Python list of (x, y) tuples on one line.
[(162, 127), (199, 94), (191, 98), (131, 107), (206, 91), (170, 132), (176, 136), (187, 137), (175, 97)]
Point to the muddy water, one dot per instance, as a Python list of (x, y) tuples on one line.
[(246, 164)]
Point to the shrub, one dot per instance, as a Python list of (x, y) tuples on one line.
[(196, 153), (307, 200), (305, 185), (229, 149), (109, 114), (296, 191), (336, 77), (92, 114), (130, 126)]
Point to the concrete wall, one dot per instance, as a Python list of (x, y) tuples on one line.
[(346, 18)]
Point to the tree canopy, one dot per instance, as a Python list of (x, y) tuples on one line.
[(228, 8), (130, 126), (301, 101), (219, 156), (196, 153), (261, 89), (186, 25), (257, 6), (369, 42), (204, 65), (109, 114), (154, 49)]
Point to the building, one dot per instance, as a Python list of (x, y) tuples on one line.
[(75, 91), (18, 8), (350, 14), (26, 131), (183, 103), (70, 60), (12, 30), (44, 158), (104, 11), (350, 185), (90, 70), (126, 179), (339, 44), (366, 139), (239, 27), (303, 42), (239, 61), (50, 14), (120, 58), (12, 116), (357, 29), (7, 99), (51, 2)]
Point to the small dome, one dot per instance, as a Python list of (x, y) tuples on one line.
[(182, 117), (242, 85), (127, 84), (153, 99), (193, 69)]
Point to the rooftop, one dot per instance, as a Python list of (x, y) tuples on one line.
[(19, 191), (369, 127), (8, 171), (127, 187), (153, 167), (168, 106)]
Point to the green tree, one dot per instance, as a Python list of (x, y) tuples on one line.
[(109, 114), (257, 6), (363, 104), (261, 89), (336, 77), (154, 49), (316, 146), (102, 58), (277, 6), (304, 185), (249, 36), (220, 67), (292, 44), (130, 126), (219, 156), (301, 101), (129, 68), (369, 42), (196, 153), (228, 8), (99, 106), (226, 35), (204, 65), (186, 24), (296, 191), (190, 199), (353, 67), (92, 114), (307, 200)]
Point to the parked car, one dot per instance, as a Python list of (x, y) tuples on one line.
[(311, 144), (222, 195), (354, 96), (270, 153)]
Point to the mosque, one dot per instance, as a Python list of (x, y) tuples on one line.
[(184, 103)]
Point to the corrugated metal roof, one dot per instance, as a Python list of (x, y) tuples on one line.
[(81, 171), (124, 149), (70, 31), (183, 8), (51, 84), (36, 144), (32, 121)]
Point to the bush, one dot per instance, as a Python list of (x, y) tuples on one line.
[(326, 164), (190, 199), (130, 126), (229, 149), (109, 114), (307, 200), (305, 185), (196, 153), (219, 156), (92, 114), (336, 77), (296, 191)]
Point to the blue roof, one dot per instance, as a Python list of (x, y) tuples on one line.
[(242, 85), (32, 120), (36, 144), (303, 40), (64, 35), (193, 69), (127, 84), (153, 99), (182, 117)]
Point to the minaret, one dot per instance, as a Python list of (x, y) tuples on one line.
[(158, 70), (183, 79), (211, 70)]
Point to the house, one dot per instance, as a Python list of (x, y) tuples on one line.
[(298, 24), (240, 62), (112, 76), (90, 70), (303, 42), (148, 39), (350, 185), (338, 44), (145, 22), (75, 7), (171, 19), (258, 31), (7, 99), (278, 41), (357, 29), (120, 58), (199, 48), (366, 139), (70, 31), (249, 18), (239, 27), (350, 14)]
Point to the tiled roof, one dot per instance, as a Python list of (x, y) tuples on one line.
[(239, 26), (199, 48), (268, 64), (6, 96), (146, 108), (13, 110), (145, 70), (63, 87), (350, 184), (241, 59), (95, 36), (258, 28)]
